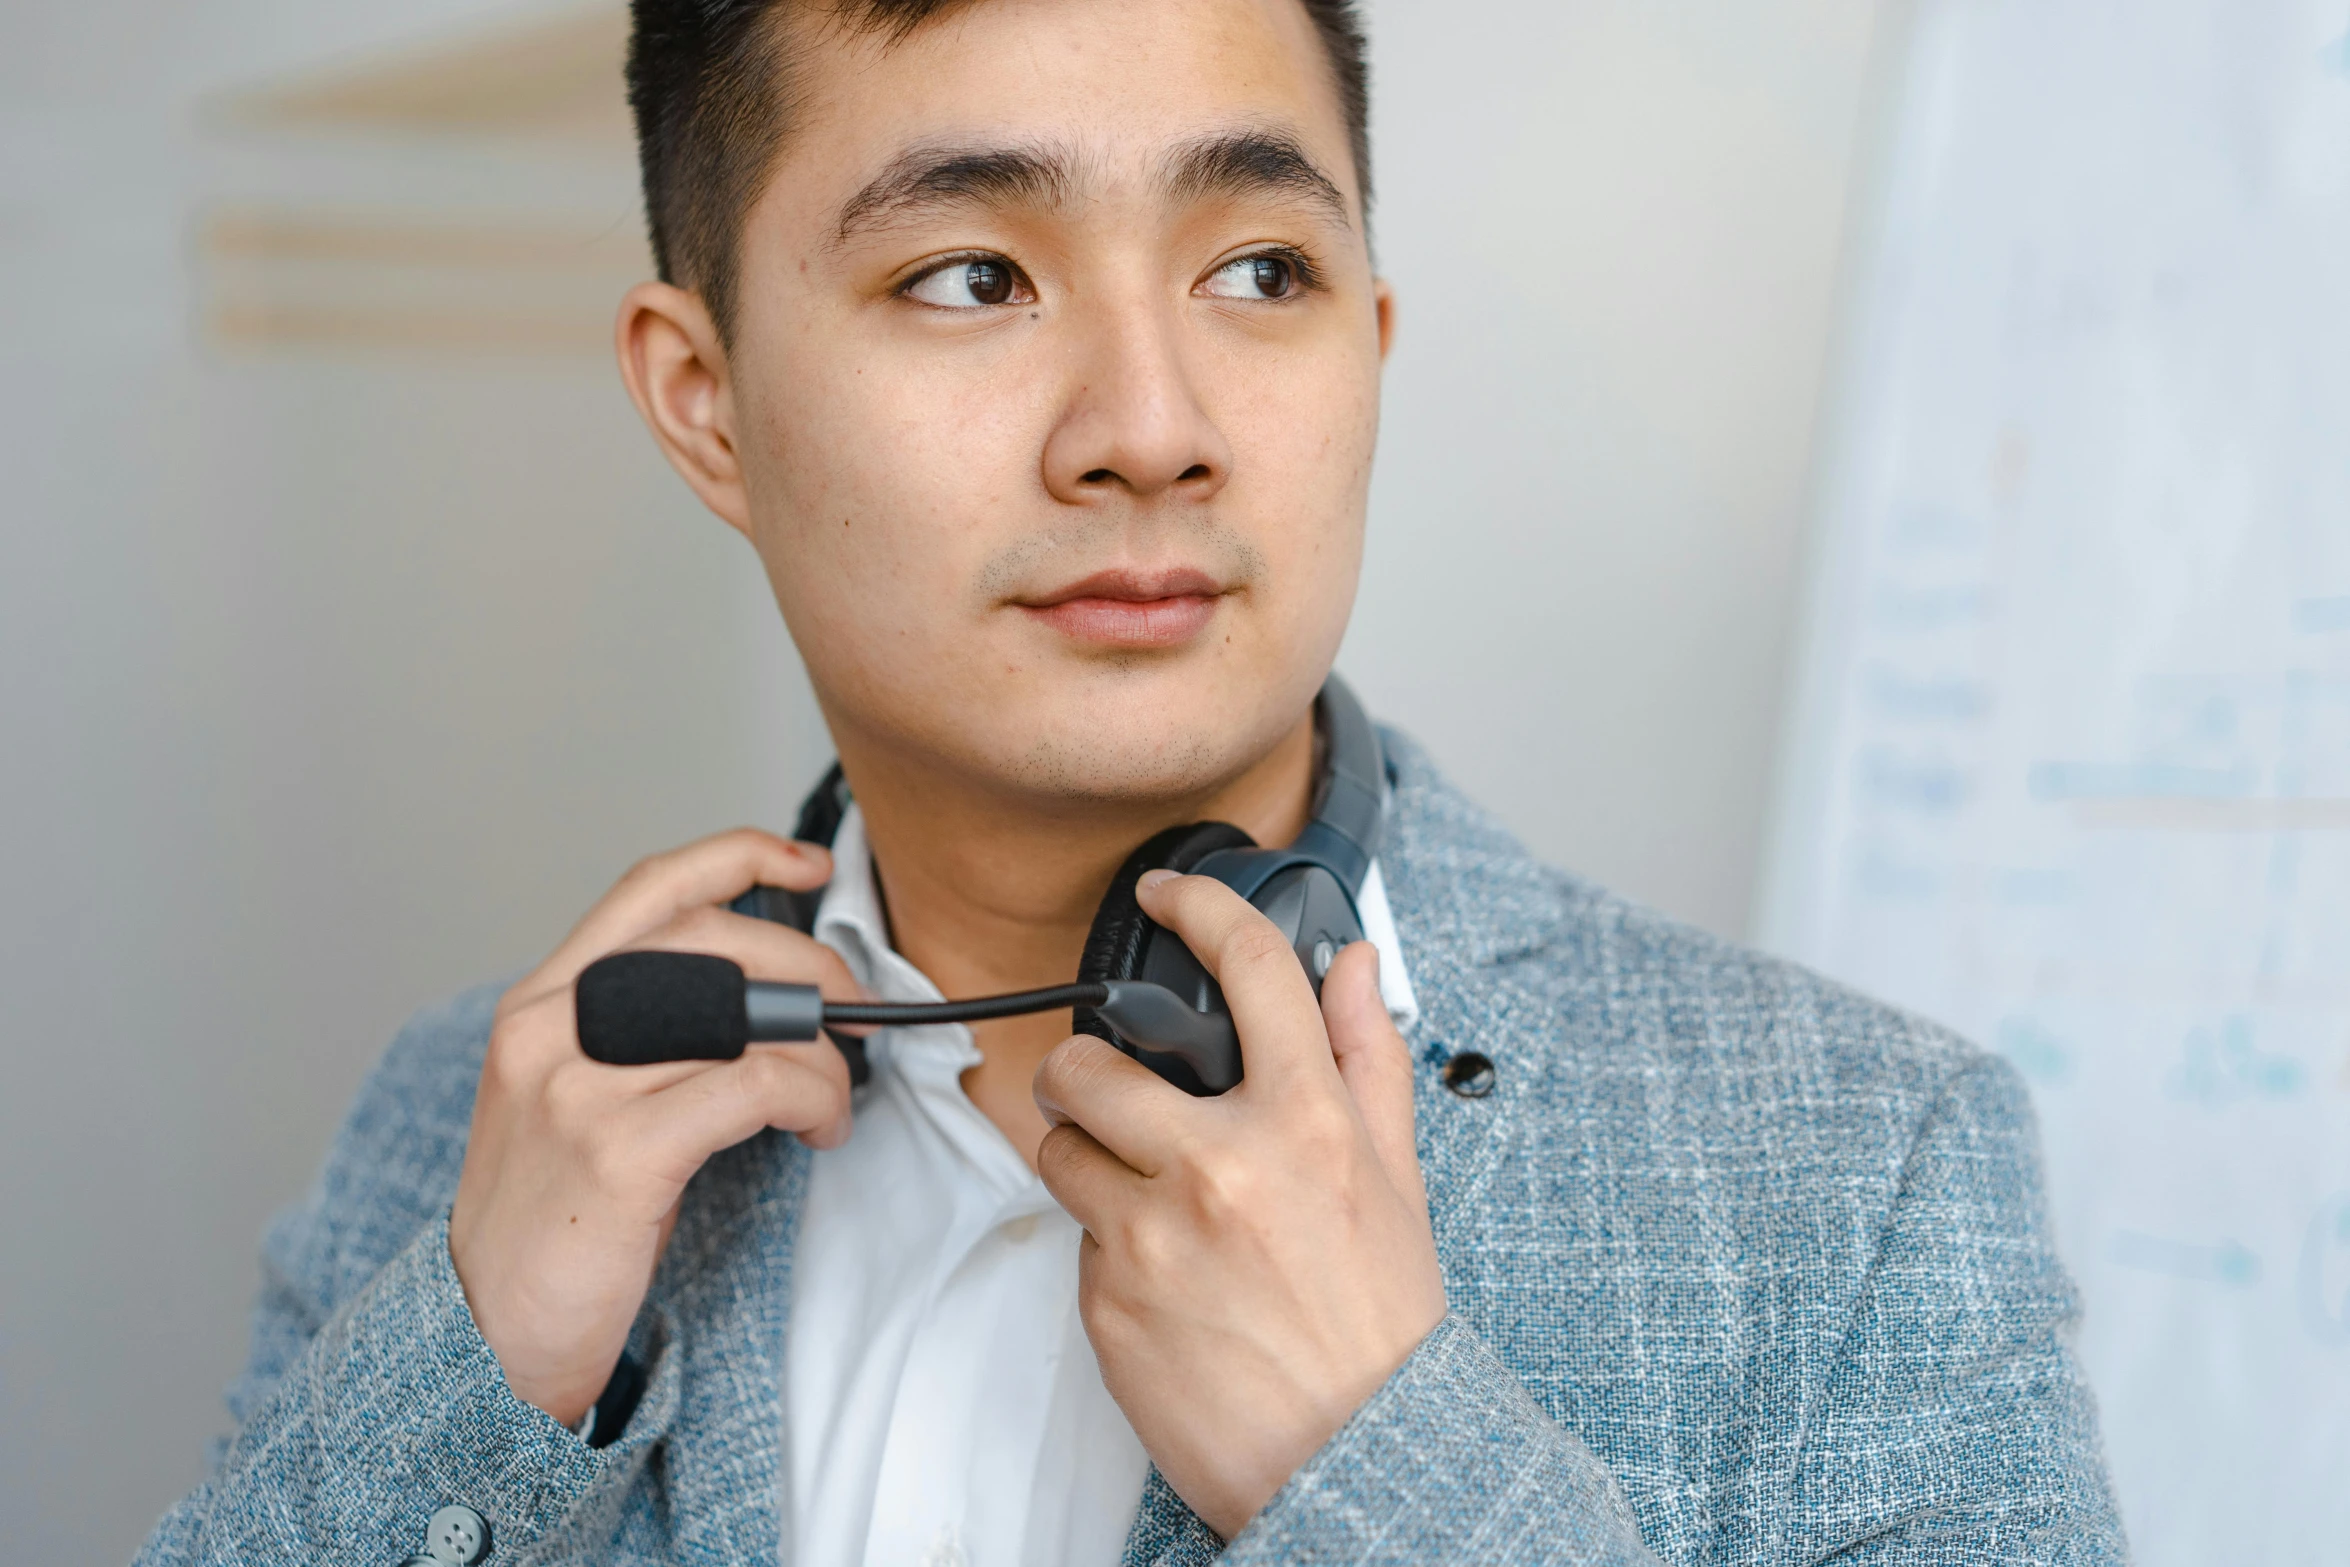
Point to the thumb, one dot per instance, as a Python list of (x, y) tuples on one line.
[(1374, 1064)]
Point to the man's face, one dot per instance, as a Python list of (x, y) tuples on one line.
[(1054, 387)]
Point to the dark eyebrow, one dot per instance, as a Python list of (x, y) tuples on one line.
[(957, 176), (1250, 163), (1237, 163)]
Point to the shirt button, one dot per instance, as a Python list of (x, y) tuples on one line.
[(1018, 1230), (457, 1537)]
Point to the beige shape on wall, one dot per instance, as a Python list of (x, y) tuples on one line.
[(556, 79), (532, 276), (409, 284)]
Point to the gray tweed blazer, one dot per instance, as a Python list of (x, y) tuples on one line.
[(1743, 1268)]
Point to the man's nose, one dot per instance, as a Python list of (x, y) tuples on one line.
[(1134, 425)]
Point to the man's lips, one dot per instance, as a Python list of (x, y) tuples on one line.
[(1132, 609)]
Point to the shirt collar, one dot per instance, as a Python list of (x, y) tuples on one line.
[(849, 920), (1395, 980)]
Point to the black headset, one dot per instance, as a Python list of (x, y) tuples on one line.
[(1133, 968)]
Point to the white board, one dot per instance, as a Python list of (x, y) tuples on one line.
[(2071, 762)]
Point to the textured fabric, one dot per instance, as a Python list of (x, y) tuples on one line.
[(1743, 1268)]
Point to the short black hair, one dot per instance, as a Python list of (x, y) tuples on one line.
[(708, 85)]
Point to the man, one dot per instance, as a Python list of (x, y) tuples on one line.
[(1035, 346)]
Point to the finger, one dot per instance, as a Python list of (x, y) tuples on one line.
[(1280, 1027), (825, 1058), (794, 1088), (1374, 1063), (1119, 1102), (1094, 1185), (539, 1036), (762, 949), (712, 871), (609, 1088)]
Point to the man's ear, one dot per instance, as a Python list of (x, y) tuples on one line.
[(1383, 300), (676, 373)]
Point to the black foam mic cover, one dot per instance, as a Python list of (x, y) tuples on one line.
[(637, 1008)]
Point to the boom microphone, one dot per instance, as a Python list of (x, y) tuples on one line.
[(640, 1008)]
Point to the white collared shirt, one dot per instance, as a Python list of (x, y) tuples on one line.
[(942, 1403)]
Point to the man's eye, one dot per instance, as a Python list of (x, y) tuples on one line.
[(968, 285), (1253, 277)]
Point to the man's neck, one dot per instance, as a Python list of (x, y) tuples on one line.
[(988, 890)]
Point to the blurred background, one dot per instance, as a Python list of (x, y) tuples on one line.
[(1867, 476)]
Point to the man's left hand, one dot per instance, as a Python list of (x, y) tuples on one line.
[(1256, 1265)]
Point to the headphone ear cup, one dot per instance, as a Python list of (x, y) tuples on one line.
[(1121, 934)]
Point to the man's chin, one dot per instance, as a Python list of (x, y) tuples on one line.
[(1136, 736)]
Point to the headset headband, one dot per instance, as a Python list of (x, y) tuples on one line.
[(1350, 799)]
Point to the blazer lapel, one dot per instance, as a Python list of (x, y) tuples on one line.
[(725, 1286), (1470, 905)]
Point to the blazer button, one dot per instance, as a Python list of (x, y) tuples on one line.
[(457, 1537), (1469, 1075)]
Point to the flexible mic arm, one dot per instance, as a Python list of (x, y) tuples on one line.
[(639, 1008)]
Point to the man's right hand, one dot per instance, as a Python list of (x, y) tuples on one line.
[(573, 1169)]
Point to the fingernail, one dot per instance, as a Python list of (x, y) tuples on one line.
[(1151, 879)]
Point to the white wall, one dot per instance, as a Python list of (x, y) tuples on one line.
[(1614, 227), (333, 682)]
